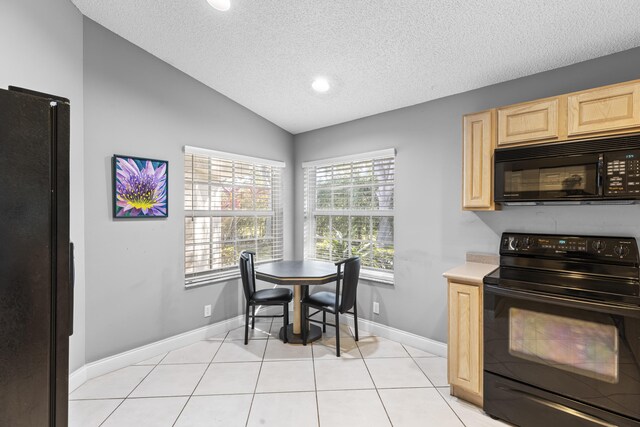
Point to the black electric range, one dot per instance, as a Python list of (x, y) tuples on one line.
[(562, 331)]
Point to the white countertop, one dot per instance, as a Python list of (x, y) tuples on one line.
[(472, 272)]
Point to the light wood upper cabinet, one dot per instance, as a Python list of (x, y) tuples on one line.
[(465, 341), (594, 113), (605, 109), (479, 143), (531, 121)]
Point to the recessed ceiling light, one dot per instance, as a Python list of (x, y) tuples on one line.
[(321, 85), (222, 5)]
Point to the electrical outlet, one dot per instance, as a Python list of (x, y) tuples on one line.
[(376, 307), (207, 310)]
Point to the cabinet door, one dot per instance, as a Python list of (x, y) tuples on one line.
[(606, 109), (532, 121), (465, 337), (479, 142)]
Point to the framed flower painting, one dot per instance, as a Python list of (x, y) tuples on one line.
[(140, 187)]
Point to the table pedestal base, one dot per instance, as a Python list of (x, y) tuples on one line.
[(314, 334)]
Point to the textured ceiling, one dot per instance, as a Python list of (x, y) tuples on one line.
[(378, 55)]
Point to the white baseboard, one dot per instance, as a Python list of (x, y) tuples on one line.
[(137, 355), (421, 343), (77, 378)]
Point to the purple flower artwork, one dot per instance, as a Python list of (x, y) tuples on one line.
[(139, 187)]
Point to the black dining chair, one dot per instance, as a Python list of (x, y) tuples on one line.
[(274, 296), (340, 301)]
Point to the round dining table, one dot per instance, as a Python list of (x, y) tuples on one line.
[(300, 275)]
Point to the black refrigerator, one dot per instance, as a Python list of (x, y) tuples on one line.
[(36, 289)]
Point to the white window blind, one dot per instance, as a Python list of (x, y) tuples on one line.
[(349, 211), (231, 205)]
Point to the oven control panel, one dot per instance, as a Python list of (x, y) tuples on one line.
[(622, 173), (556, 246)]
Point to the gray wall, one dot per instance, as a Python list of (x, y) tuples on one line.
[(41, 45), (137, 105), (432, 232)]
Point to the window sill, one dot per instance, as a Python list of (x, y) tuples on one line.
[(385, 279), (191, 284), (377, 278), (223, 276)]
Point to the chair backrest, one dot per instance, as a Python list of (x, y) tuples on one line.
[(349, 283), (248, 273)]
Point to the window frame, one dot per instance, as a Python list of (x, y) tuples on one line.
[(276, 212), (312, 212)]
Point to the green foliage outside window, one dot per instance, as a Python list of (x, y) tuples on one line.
[(350, 212)]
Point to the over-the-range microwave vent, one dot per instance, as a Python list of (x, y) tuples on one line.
[(569, 148), (572, 202)]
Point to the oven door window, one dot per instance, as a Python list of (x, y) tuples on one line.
[(574, 345), (549, 179)]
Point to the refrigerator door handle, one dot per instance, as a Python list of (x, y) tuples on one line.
[(72, 282)]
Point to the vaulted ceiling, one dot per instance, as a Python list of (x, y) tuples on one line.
[(378, 55)]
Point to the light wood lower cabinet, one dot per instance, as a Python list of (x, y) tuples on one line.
[(479, 143), (465, 341), (606, 109)]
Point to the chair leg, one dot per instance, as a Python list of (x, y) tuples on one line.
[(324, 321), (246, 325), (337, 334), (355, 319), (304, 324), (286, 322), (303, 321), (253, 317)]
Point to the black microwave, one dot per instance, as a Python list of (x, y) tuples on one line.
[(597, 171)]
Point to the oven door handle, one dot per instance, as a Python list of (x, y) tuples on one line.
[(626, 311)]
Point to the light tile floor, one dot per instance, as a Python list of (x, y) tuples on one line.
[(222, 382)]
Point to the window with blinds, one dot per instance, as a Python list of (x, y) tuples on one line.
[(230, 205), (349, 211)]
